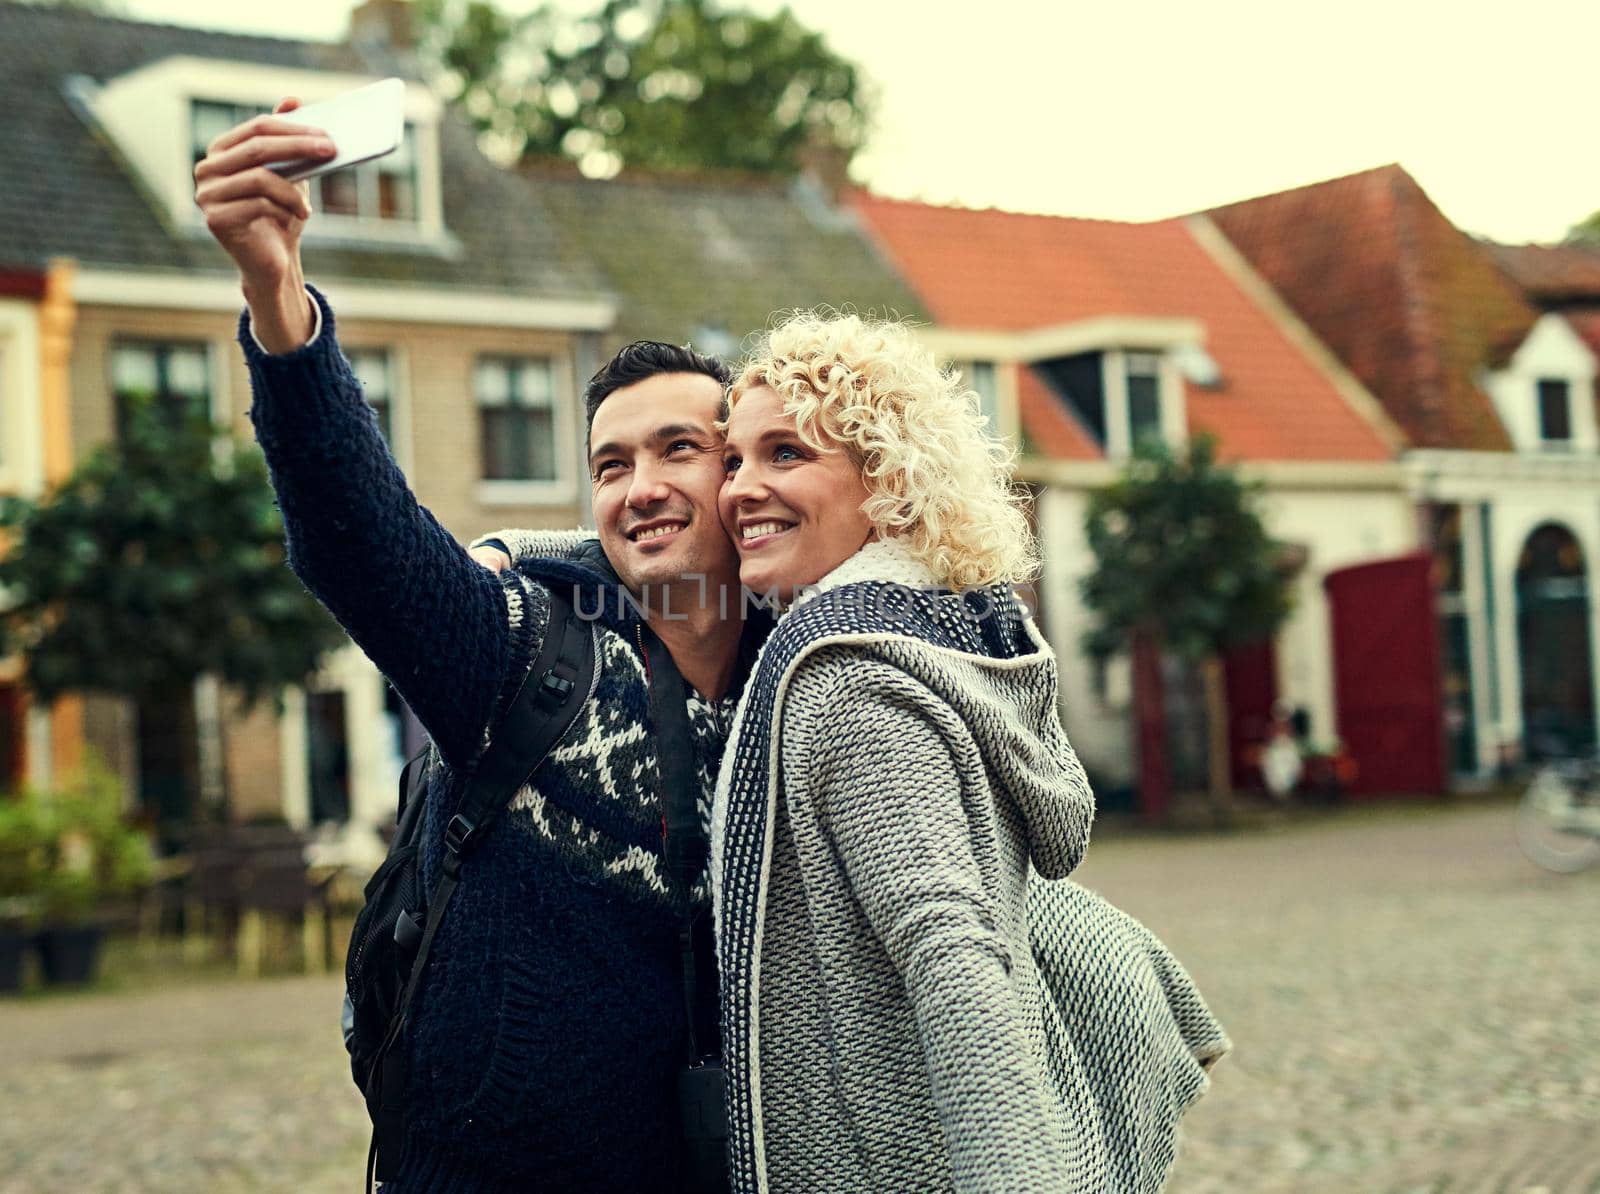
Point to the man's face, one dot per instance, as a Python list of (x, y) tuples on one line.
[(655, 461)]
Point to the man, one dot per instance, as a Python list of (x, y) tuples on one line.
[(549, 1028)]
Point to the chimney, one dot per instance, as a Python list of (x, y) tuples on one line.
[(385, 24), (826, 165)]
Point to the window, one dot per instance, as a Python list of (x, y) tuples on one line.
[(327, 757), (516, 418), (209, 119), (382, 190), (371, 367), (1555, 412), (173, 379), (1144, 396)]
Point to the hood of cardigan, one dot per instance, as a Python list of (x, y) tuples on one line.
[(1002, 679)]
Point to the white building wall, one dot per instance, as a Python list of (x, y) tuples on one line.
[(1337, 527), (1099, 724)]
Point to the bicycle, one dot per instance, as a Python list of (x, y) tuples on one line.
[(1558, 818)]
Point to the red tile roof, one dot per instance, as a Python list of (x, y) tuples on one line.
[(1006, 272), (1552, 273), (1411, 304)]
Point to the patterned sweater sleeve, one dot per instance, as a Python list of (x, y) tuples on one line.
[(437, 624), (526, 545), (882, 783)]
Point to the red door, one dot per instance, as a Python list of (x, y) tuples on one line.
[(1252, 681), (1386, 675)]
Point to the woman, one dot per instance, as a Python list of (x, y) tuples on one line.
[(896, 764)]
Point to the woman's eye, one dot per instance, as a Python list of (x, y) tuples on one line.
[(730, 464), (785, 452)]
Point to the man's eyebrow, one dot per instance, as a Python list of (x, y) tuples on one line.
[(676, 431), (657, 436)]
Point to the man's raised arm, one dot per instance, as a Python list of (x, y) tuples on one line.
[(438, 625)]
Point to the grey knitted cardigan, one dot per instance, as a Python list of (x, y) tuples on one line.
[(890, 1023)]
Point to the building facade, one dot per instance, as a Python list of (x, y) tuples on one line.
[(469, 321), (1479, 354)]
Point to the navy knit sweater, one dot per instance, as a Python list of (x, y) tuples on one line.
[(548, 1029)]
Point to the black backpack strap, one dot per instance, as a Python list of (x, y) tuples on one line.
[(546, 704)]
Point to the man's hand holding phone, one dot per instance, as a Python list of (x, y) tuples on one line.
[(257, 216)]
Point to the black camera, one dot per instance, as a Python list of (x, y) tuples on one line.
[(703, 1116)]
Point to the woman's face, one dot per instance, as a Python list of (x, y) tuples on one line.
[(794, 513)]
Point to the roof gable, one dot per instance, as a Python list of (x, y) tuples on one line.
[(1413, 306)]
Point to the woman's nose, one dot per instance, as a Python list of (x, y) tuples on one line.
[(746, 485)]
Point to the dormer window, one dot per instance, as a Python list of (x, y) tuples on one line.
[(163, 116), (1144, 396), (1121, 397), (1542, 394), (382, 190), (1555, 413)]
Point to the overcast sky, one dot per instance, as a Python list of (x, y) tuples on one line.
[(1132, 110)]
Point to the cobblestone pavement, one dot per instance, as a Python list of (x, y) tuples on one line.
[(1415, 1010)]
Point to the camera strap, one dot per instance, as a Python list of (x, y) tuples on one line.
[(687, 848)]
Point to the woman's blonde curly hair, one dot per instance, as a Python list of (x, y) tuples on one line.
[(936, 478)]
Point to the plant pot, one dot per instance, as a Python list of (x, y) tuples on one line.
[(70, 954), (13, 944)]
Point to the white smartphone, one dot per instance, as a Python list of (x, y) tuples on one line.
[(364, 124)]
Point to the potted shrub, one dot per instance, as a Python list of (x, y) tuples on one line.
[(91, 860), (22, 841)]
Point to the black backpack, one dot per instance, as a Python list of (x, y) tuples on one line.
[(395, 929)]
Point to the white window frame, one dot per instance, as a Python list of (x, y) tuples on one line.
[(1569, 443), (217, 409), (1169, 398), (396, 366), (563, 488)]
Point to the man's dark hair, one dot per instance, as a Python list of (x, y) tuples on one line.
[(646, 358)]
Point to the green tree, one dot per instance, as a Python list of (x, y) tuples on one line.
[(659, 84), (1586, 231), (1183, 566), (158, 562)]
